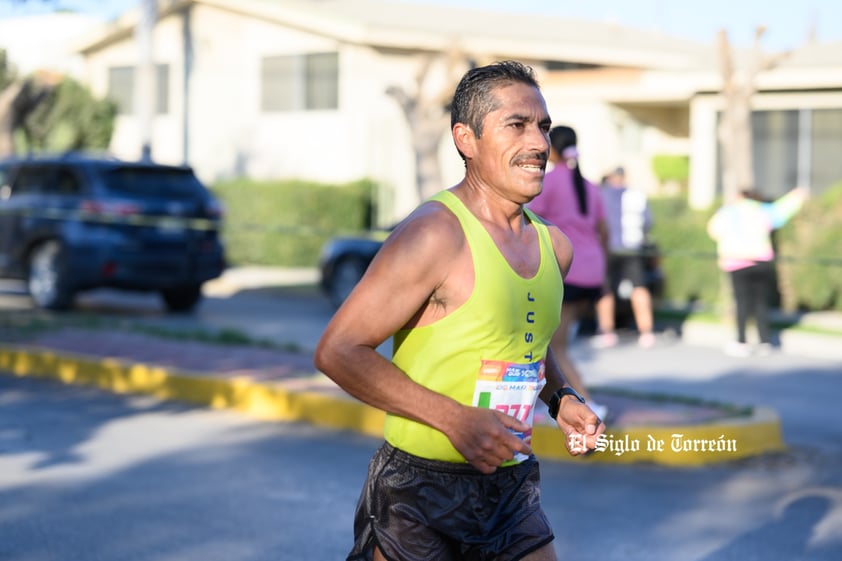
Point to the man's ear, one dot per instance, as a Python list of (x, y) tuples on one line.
[(463, 137)]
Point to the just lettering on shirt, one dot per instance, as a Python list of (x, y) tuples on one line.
[(528, 335)]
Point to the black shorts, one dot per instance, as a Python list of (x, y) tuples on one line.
[(575, 293), (627, 267), (415, 509)]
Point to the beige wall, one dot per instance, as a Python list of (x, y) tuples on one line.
[(703, 152), (612, 134), (167, 130), (228, 134), (623, 116)]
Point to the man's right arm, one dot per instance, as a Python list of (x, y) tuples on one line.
[(398, 283), (412, 266)]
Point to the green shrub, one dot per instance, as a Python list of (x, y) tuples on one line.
[(68, 118), (285, 223), (810, 266), (688, 260), (671, 167)]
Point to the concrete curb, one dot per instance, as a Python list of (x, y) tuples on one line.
[(698, 444), (260, 400)]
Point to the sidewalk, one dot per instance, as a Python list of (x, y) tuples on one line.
[(816, 334), (819, 336), (274, 384)]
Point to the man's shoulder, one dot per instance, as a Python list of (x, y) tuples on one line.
[(430, 223), (433, 213)]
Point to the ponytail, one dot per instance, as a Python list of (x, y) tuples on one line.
[(563, 141), (579, 184)]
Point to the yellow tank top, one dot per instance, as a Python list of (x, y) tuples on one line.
[(490, 351)]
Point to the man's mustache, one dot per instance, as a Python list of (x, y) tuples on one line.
[(531, 157)]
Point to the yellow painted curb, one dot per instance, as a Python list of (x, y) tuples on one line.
[(685, 445), (240, 394)]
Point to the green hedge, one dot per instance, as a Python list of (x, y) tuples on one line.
[(688, 261), (287, 222), (809, 265), (671, 167)]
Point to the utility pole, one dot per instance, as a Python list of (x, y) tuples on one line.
[(144, 87)]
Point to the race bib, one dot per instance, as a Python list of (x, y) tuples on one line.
[(511, 388)]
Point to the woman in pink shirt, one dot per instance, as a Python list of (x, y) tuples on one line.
[(575, 205)]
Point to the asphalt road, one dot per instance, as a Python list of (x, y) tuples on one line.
[(87, 475)]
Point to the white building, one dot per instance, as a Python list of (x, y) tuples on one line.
[(297, 89)]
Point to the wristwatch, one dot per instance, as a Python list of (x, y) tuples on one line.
[(555, 400)]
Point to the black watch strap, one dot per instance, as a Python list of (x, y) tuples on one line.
[(555, 399)]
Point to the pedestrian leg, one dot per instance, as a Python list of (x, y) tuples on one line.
[(741, 282)]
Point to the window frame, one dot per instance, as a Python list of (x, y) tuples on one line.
[(299, 82), (124, 96)]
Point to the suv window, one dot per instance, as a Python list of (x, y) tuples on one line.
[(47, 179), (32, 179), (66, 183), (143, 181)]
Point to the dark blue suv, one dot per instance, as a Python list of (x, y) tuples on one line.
[(76, 222)]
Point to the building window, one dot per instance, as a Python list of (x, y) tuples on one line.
[(300, 82), (825, 147), (162, 89), (121, 84), (121, 88), (775, 151), (794, 147)]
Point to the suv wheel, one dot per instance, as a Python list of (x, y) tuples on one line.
[(46, 279), (182, 298)]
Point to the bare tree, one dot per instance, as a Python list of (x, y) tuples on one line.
[(17, 101), (428, 114), (145, 84), (738, 88), (8, 119)]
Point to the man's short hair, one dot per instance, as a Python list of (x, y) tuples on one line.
[(473, 99)]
